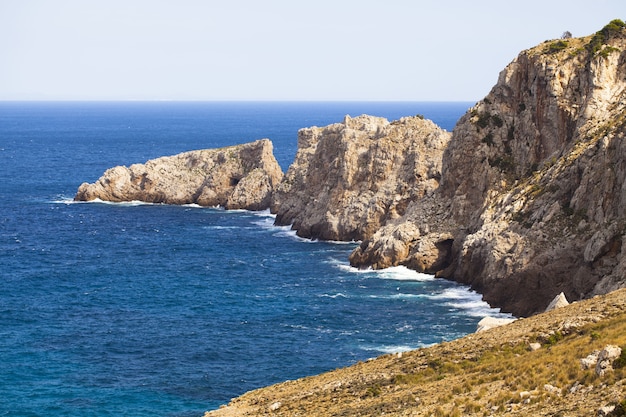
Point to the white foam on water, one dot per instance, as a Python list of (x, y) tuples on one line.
[(337, 295), (396, 273), (392, 348), (218, 227), (471, 302), (132, 203), (402, 273), (264, 213)]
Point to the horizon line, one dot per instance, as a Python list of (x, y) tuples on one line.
[(234, 101)]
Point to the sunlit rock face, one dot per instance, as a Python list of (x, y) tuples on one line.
[(235, 177), (532, 199), (349, 179)]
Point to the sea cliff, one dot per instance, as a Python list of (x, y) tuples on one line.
[(531, 201), (348, 179), (524, 200)]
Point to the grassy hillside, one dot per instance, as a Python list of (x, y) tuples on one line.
[(492, 373)]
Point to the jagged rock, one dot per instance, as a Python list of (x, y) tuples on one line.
[(487, 323), (601, 360), (534, 181), (558, 302), (349, 179), (606, 358), (235, 177), (590, 361)]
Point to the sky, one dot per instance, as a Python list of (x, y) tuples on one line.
[(396, 50)]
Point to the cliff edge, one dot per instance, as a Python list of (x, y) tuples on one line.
[(350, 178), (532, 196)]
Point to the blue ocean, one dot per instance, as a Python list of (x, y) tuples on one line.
[(154, 310)]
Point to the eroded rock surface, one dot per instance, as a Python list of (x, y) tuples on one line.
[(348, 179), (532, 199), (236, 177)]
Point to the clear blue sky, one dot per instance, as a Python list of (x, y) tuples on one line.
[(275, 49)]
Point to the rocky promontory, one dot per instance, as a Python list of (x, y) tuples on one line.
[(526, 199), (348, 179), (235, 177), (532, 197)]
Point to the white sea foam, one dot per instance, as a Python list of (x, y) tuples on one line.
[(132, 203), (461, 298), (392, 348), (218, 227), (337, 295), (402, 273), (264, 213), (396, 273), (64, 200)]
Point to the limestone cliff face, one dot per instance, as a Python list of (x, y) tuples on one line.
[(348, 179), (532, 200), (235, 177)]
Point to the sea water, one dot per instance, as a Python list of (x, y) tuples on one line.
[(137, 309)]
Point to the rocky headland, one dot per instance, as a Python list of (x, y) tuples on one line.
[(349, 179), (531, 200), (524, 200), (236, 177)]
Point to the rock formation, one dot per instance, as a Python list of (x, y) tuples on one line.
[(526, 200), (488, 323), (558, 302), (235, 177), (532, 199), (348, 179)]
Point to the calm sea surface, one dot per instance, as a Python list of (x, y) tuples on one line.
[(137, 310)]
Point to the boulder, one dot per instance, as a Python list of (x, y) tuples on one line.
[(487, 323), (558, 302), (606, 358)]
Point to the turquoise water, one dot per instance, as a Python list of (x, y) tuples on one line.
[(136, 310)]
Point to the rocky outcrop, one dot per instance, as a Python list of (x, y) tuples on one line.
[(348, 179), (532, 199), (236, 177), (487, 323), (558, 302)]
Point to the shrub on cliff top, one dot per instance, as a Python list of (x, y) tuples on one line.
[(608, 32)]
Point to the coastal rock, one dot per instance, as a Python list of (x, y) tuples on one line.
[(236, 177), (487, 323), (558, 302), (349, 179), (533, 181)]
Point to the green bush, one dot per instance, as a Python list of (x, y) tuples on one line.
[(557, 46), (608, 32)]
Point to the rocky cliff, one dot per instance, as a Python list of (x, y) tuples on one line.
[(350, 178), (533, 194), (235, 177)]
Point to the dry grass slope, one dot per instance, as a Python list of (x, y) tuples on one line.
[(487, 374)]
